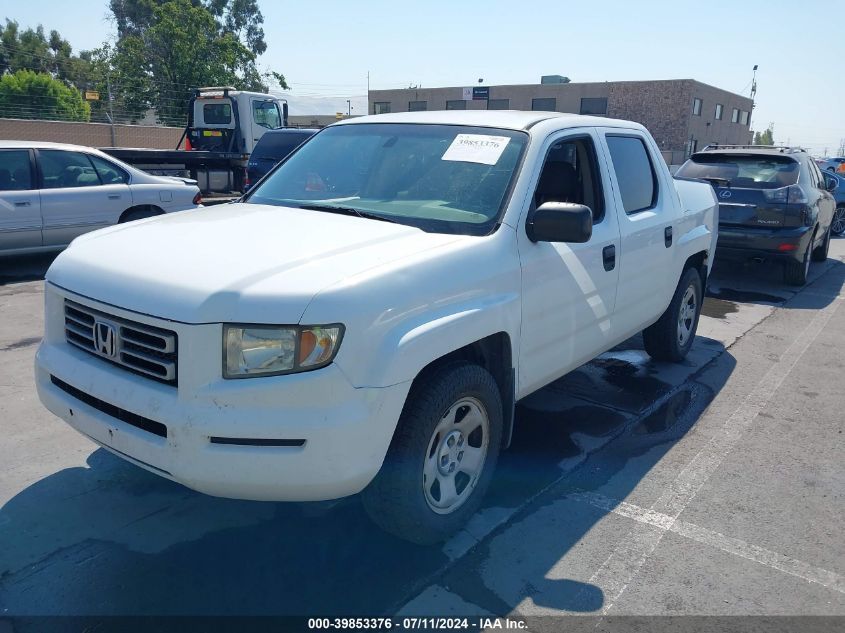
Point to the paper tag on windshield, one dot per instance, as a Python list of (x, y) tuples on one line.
[(476, 148)]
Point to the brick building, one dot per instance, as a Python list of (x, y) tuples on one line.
[(682, 114)]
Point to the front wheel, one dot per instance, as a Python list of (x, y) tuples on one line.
[(671, 337), (837, 227), (442, 456)]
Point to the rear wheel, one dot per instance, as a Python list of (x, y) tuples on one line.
[(442, 456), (837, 227), (671, 337), (820, 253), (795, 272)]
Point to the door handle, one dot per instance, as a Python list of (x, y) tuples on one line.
[(609, 257), (115, 196), (25, 203), (667, 236)]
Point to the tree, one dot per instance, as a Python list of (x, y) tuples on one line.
[(32, 50), (27, 94), (766, 137), (167, 48)]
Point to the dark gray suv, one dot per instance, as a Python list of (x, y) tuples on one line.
[(774, 204)]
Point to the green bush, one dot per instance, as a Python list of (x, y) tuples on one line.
[(30, 95)]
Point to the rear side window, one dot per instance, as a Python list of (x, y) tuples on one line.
[(744, 171), (108, 173), (66, 169), (634, 172), (217, 113), (278, 146), (15, 172)]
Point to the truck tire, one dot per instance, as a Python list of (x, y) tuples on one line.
[(671, 337), (794, 272), (442, 456)]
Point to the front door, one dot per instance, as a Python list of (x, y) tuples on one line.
[(569, 290), (74, 199), (20, 204)]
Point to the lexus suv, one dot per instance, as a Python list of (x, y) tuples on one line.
[(775, 205)]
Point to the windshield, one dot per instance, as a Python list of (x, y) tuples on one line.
[(439, 178), (742, 170)]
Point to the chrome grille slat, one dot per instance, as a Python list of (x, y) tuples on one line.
[(139, 348)]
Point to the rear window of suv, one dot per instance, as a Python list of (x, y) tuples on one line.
[(747, 171), (277, 146)]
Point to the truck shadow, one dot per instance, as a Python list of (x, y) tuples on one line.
[(17, 268), (112, 539)]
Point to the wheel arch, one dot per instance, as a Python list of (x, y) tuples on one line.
[(140, 207)]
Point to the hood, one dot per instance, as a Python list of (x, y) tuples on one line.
[(243, 263)]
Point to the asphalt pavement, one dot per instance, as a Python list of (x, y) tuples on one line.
[(710, 488)]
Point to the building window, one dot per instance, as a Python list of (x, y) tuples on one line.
[(743, 117), (594, 105), (417, 106), (456, 104), (498, 104), (381, 107), (696, 106), (735, 116), (544, 105), (719, 109)]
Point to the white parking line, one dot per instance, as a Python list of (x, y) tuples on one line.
[(734, 546), (625, 561)]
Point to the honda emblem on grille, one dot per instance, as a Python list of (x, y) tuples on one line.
[(105, 339)]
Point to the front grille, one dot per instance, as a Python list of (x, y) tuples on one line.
[(139, 348), (138, 421)]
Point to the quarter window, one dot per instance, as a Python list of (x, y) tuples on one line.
[(217, 113), (544, 105), (109, 174), (417, 106), (696, 106), (15, 171), (66, 169), (634, 173), (719, 109)]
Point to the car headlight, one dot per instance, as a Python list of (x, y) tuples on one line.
[(264, 350)]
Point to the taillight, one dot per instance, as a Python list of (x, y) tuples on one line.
[(198, 198), (793, 194)]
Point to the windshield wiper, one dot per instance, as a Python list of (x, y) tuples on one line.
[(716, 181), (332, 208)]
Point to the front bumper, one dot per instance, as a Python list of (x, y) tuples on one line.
[(748, 242), (345, 432)]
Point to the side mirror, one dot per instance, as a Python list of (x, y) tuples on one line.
[(560, 222), (830, 183)]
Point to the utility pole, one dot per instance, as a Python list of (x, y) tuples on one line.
[(111, 110), (349, 107), (753, 94)]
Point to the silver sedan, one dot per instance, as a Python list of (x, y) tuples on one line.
[(51, 193)]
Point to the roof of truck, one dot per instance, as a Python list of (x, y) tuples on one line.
[(507, 119)]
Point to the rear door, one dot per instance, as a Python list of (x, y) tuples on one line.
[(74, 199), (20, 204), (647, 273)]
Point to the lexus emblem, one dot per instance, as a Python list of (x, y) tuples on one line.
[(725, 194), (105, 339)]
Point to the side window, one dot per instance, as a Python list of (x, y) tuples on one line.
[(217, 113), (66, 169), (634, 172), (109, 174), (570, 174), (15, 170), (266, 114)]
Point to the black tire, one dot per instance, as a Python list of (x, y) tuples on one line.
[(837, 227), (662, 339), (396, 499), (140, 214), (820, 252), (795, 272)]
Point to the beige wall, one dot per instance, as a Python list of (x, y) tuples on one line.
[(90, 134)]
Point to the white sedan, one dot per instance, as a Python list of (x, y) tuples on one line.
[(51, 193)]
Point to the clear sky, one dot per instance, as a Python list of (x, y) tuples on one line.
[(325, 49)]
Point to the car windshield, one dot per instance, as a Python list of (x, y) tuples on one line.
[(742, 170), (439, 178)]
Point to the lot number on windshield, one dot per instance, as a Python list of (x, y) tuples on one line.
[(476, 148)]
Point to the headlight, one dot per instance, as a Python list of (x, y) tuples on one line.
[(268, 350)]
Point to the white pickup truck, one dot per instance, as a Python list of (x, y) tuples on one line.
[(367, 317)]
